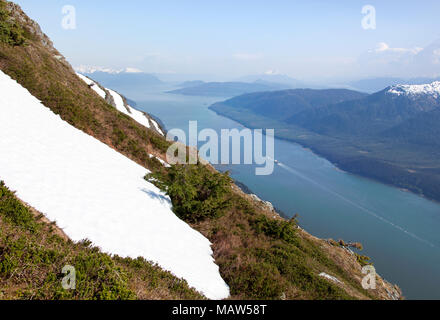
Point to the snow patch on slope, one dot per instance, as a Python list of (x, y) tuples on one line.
[(119, 102), (137, 115), (94, 192), (165, 164), (329, 277), (93, 85), (432, 89), (157, 127)]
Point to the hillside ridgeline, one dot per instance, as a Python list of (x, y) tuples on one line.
[(260, 255)]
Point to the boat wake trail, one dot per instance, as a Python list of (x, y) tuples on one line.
[(346, 200)]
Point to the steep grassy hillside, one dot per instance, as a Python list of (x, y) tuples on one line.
[(41, 69), (260, 255)]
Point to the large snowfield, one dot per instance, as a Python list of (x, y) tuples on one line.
[(94, 192)]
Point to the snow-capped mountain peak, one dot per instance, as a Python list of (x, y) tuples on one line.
[(431, 89), (92, 69)]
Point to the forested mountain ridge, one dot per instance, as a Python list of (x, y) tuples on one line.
[(390, 136), (227, 89), (284, 104), (368, 116)]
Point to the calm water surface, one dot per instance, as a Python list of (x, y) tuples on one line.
[(399, 230)]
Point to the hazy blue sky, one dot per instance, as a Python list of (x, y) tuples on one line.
[(304, 39)]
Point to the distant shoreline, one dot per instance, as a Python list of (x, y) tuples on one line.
[(339, 166)]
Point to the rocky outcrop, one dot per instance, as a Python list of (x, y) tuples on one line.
[(266, 204), (34, 29)]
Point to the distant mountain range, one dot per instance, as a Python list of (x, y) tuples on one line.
[(92, 69), (281, 105), (227, 89), (192, 83), (391, 135), (274, 78), (372, 85), (122, 79)]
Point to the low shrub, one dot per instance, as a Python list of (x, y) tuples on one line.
[(119, 136), (196, 192), (258, 280), (363, 260), (10, 32), (277, 229), (158, 142), (14, 212)]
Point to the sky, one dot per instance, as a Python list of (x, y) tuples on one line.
[(307, 40)]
